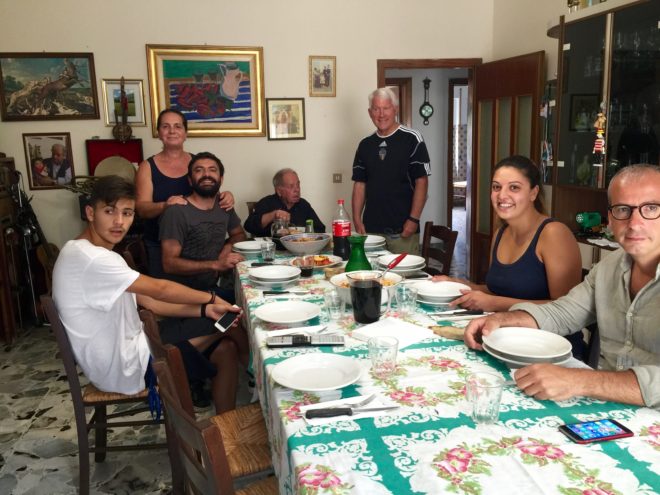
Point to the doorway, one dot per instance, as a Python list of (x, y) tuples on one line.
[(438, 136)]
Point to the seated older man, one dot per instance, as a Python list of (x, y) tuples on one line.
[(286, 204), (621, 293)]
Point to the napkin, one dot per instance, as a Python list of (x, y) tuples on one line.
[(346, 403), (406, 333)]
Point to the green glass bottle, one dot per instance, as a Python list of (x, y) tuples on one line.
[(358, 259)]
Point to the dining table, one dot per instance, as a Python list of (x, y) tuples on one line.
[(428, 443)]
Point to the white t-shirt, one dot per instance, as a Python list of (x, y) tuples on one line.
[(100, 317)]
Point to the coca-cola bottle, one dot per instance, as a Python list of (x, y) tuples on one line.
[(341, 229)]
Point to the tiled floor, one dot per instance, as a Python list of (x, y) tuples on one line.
[(38, 445)]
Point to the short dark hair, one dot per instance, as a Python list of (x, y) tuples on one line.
[(205, 155), (109, 189), (172, 110), (530, 170)]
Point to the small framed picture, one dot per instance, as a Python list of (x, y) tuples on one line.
[(286, 118), (112, 101), (49, 159), (322, 75), (583, 112)]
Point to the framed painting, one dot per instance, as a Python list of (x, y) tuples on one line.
[(583, 112), (112, 101), (286, 118), (218, 89), (48, 159), (322, 75), (48, 86)]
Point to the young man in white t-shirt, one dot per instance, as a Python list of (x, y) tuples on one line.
[(97, 294)]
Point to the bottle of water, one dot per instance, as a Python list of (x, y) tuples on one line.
[(341, 229)]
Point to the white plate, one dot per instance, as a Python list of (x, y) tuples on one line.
[(247, 246), (437, 291), (521, 343), (374, 240), (526, 361), (513, 363), (288, 312), (434, 302), (408, 263), (259, 284), (273, 273), (334, 261), (317, 372)]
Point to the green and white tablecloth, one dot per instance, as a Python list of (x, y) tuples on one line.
[(430, 444)]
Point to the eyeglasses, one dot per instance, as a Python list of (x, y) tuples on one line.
[(648, 211)]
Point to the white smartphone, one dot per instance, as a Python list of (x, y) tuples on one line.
[(226, 321)]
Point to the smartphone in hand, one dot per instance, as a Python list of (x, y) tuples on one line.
[(595, 431), (225, 321)]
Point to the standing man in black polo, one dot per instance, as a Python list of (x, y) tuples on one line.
[(390, 174)]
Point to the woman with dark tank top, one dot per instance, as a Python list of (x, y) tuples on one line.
[(533, 257), (162, 180)]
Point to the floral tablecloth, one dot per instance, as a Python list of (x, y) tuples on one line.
[(430, 444)]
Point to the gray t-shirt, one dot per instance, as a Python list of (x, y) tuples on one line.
[(202, 235)]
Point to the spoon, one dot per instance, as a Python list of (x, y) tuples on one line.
[(393, 263)]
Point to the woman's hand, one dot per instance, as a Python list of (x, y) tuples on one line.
[(474, 299), (227, 200), (176, 200)]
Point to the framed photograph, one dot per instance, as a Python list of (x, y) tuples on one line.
[(112, 101), (583, 112), (48, 86), (218, 89), (48, 159), (322, 75), (286, 118)]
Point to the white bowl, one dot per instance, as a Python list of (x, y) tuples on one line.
[(305, 243), (340, 282)]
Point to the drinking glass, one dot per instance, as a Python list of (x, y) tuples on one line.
[(334, 304), (306, 264), (382, 352), (406, 299), (484, 391), (268, 251), (366, 292)]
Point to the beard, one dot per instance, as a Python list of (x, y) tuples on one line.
[(206, 191)]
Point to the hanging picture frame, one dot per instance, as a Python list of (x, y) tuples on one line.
[(322, 75), (286, 118), (134, 90), (49, 161)]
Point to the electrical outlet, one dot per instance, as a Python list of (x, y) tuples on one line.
[(336, 178)]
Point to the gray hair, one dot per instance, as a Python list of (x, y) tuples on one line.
[(278, 178), (386, 93), (634, 171)]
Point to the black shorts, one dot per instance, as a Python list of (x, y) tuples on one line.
[(173, 330)]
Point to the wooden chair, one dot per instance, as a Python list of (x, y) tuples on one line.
[(441, 254), (201, 447), (91, 396), (250, 206), (245, 438), (135, 255)]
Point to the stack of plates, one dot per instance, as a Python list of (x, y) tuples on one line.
[(247, 248), (409, 265), (274, 276), (519, 346), (374, 243), (438, 293)]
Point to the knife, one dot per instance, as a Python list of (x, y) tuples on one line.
[(331, 412), (262, 263), (458, 312), (278, 292)]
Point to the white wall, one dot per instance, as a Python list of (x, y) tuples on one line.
[(357, 33)]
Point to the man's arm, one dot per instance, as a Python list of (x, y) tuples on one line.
[(357, 204), (253, 222), (551, 382), (174, 264), (237, 234), (418, 202)]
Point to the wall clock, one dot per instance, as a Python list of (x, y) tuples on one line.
[(426, 110)]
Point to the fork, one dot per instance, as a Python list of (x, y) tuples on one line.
[(355, 405)]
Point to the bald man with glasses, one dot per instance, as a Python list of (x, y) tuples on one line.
[(621, 294)]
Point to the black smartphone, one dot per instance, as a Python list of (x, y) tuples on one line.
[(595, 431), (225, 321)]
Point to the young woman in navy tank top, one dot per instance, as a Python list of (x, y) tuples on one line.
[(533, 257), (162, 180)]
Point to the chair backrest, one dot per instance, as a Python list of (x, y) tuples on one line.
[(135, 255), (66, 353), (443, 254), (250, 206), (200, 444), (172, 356)]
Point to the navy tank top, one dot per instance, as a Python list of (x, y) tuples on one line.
[(525, 278), (163, 188)]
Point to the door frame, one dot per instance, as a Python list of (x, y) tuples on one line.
[(450, 149), (404, 84)]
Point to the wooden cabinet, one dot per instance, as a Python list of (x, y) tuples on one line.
[(608, 63)]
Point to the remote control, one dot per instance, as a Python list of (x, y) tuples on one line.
[(300, 340)]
